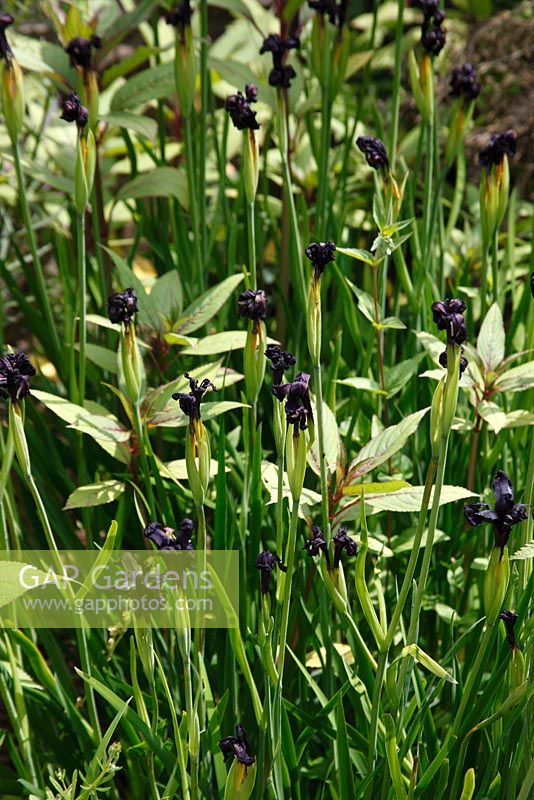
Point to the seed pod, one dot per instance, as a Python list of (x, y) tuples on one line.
[(11, 91), (251, 167), (194, 735), (131, 365), (84, 170), (296, 452), (450, 394), (197, 458), (436, 416), (496, 583), (254, 359), (16, 426), (517, 669)]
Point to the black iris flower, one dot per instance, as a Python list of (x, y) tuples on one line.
[(5, 21), (336, 12), (280, 361), (463, 361), (190, 403), (80, 51), (281, 75), (320, 254), (509, 618), (464, 82), (448, 316), (266, 562), (168, 539), (500, 145), (317, 544), (343, 542), (433, 36), (179, 16), (298, 405), (72, 110), (374, 151), (252, 304), (122, 306), (15, 373), (237, 746), (238, 106), (505, 513)]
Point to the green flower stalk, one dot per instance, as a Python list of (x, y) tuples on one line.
[(252, 305), (11, 92)]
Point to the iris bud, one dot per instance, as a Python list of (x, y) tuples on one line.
[(84, 170), (11, 91), (496, 583)]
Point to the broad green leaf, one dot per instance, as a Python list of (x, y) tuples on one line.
[(157, 399), (101, 428), (493, 415), (410, 499), (359, 255), (95, 494), (10, 586), (517, 379), (432, 344), (217, 343), (151, 84), (332, 442), (173, 416), (125, 22), (384, 445), (239, 74), (103, 357), (394, 323), (490, 343), (400, 374), (365, 303), (128, 64), (207, 305), (102, 322), (167, 295), (144, 126), (160, 182), (363, 384), (177, 470), (426, 661), (516, 419), (370, 489)]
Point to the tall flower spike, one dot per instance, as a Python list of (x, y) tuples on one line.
[(190, 403), (281, 75), (506, 512), (241, 113), (320, 254), (238, 747), (374, 151), (252, 304), (500, 145), (463, 82), (433, 36), (15, 373), (280, 360), (317, 544), (122, 306), (266, 562)]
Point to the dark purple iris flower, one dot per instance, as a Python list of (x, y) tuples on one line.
[(448, 316), (280, 361), (317, 544), (252, 304), (320, 254), (237, 746), (298, 405), (374, 151), (266, 562), (281, 75), (72, 110), (505, 514), (122, 306), (500, 145), (15, 373), (190, 403), (241, 113)]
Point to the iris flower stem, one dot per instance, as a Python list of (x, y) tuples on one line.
[(459, 187), (283, 134), (280, 500), (373, 726), (484, 278), (38, 267), (252, 244), (427, 201), (495, 266), (203, 132), (82, 303), (379, 345), (325, 515), (193, 200), (139, 432)]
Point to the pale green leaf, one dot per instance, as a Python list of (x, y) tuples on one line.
[(490, 343), (173, 416), (517, 379), (426, 661), (95, 494), (11, 586), (525, 552), (374, 488), (144, 126), (359, 255), (217, 343), (332, 442), (363, 384), (160, 182), (151, 84)]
